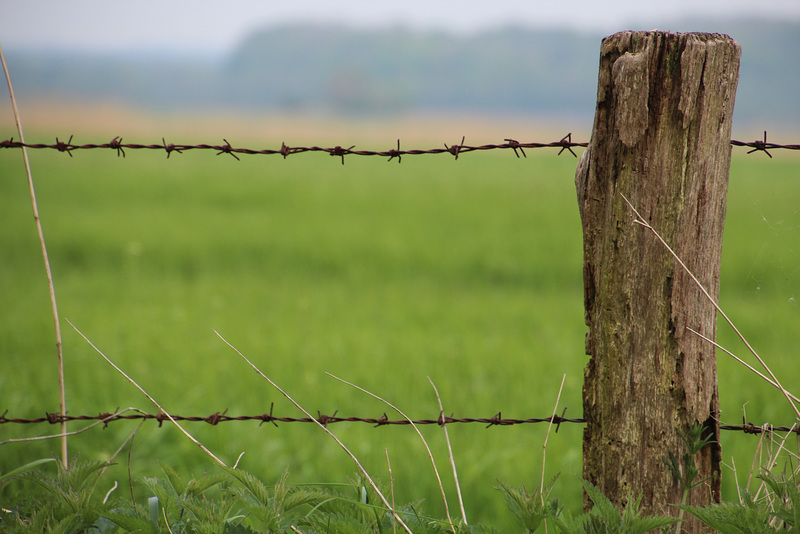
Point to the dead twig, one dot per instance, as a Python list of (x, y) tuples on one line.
[(450, 453), (547, 436), (62, 397)]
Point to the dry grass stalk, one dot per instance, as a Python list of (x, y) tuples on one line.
[(641, 221), (391, 485), (132, 381), (757, 459), (735, 357), (325, 429), (450, 454), (424, 442), (62, 399), (547, 436), (119, 450), (736, 478)]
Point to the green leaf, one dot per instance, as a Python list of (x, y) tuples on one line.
[(530, 509), (174, 478), (604, 507), (67, 525), (732, 518), (26, 467), (81, 475), (256, 488), (130, 522), (197, 487)]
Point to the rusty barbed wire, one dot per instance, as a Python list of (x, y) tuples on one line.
[(764, 146), (222, 417), (565, 143)]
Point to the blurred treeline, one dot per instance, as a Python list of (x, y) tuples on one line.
[(511, 71)]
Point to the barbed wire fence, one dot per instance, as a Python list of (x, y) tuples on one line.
[(223, 417), (564, 144)]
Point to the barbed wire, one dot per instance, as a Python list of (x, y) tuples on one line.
[(763, 146), (564, 144), (222, 417)]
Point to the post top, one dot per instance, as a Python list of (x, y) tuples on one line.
[(635, 35)]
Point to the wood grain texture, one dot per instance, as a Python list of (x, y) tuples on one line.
[(661, 138)]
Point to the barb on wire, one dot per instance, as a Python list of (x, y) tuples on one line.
[(763, 146), (440, 420)]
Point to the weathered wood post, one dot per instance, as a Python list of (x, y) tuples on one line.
[(661, 138)]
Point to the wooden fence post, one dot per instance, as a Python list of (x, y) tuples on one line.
[(661, 138)]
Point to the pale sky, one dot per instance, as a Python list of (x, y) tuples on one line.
[(215, 27)]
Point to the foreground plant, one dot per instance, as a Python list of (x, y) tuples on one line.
[(604, 517), (233, 501), (531, 509), (777, 511), (687, 471), (70, 501)]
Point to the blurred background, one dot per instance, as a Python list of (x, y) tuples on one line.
[(529, 63), (469, 272)]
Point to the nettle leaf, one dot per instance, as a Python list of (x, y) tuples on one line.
[(527, 508), (161, 489), (238, 528), (256, 488), (67, 525), (786, 497), (642, 525), (81, 474), (197, 487), (300, 497), (130, 522), (731, 518), (174, 478), (605, 508)]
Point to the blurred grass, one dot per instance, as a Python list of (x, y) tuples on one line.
[(468, 272)]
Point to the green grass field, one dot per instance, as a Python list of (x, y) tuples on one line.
[(466, 271)]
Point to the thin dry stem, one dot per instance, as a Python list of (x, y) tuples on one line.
[(325, 429), (773, 460), (735, 357), (166, 521), (450, 454), (62, 398), (108, 494), (391, 485), (736, 478), (640, 220), (130, 478), (756, 456), (547, 436), (236, 464), (119, 450), (132, 381), (411, 422)]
